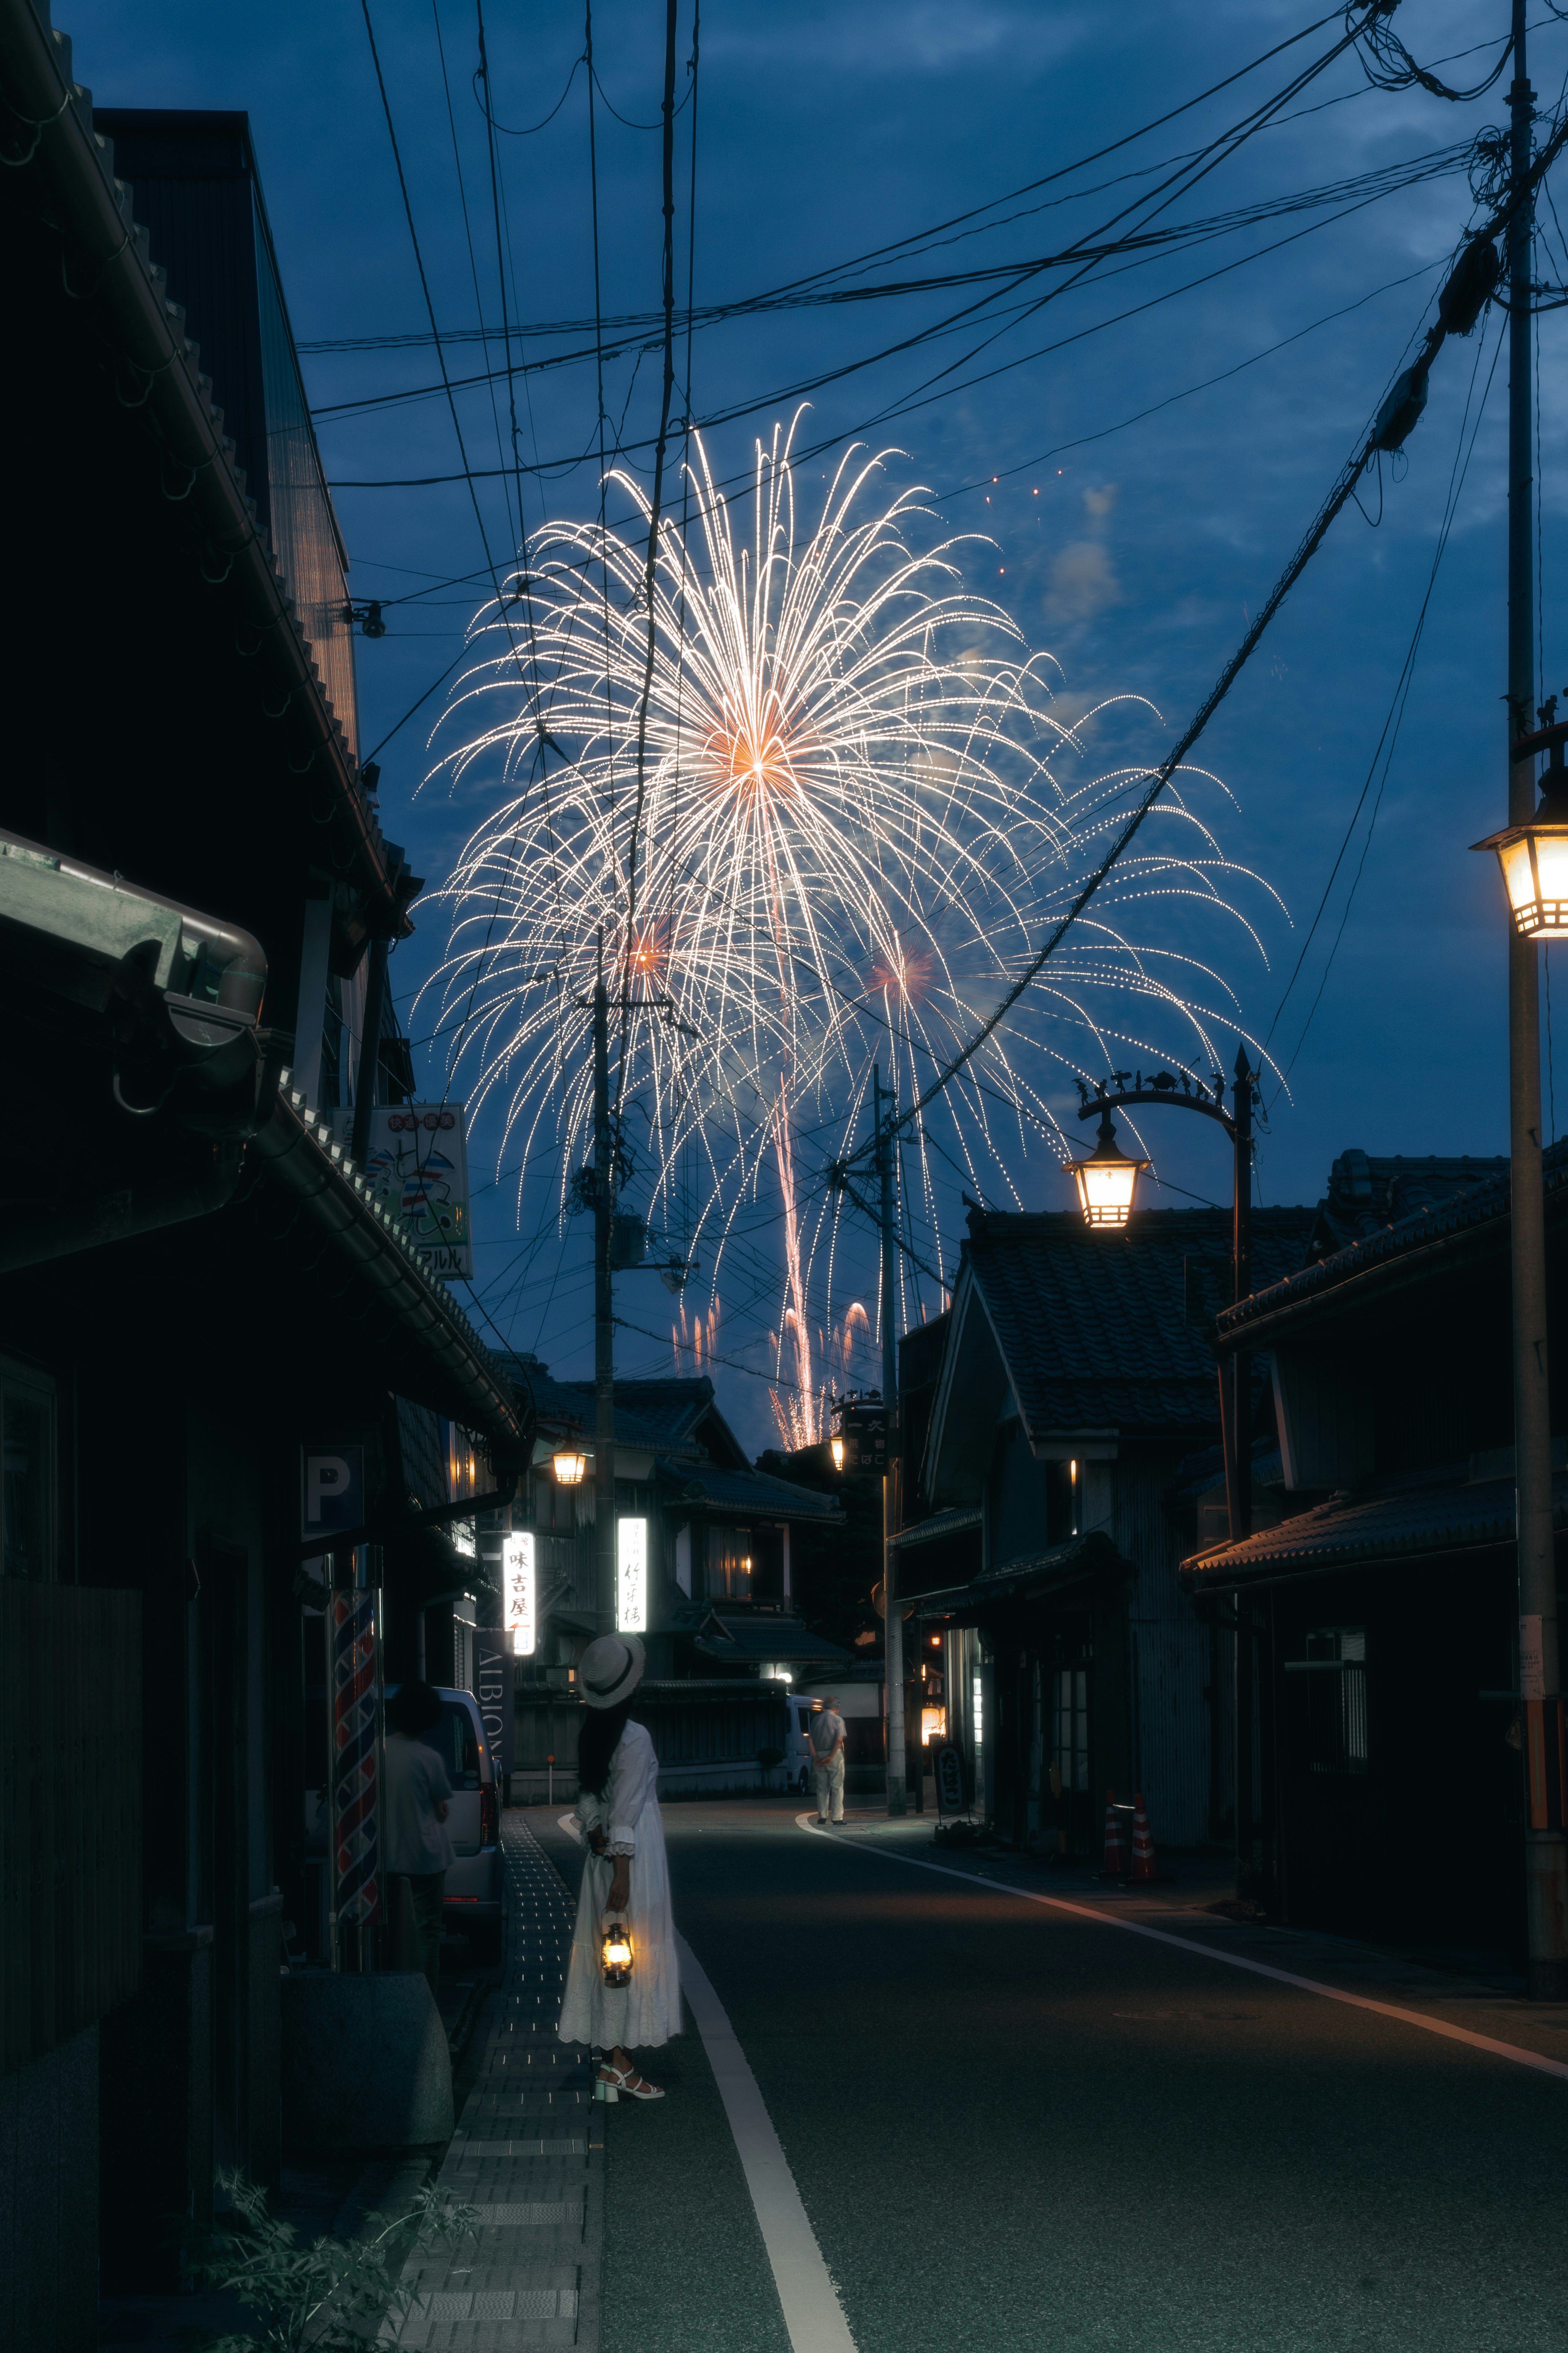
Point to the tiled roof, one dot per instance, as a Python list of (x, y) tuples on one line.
[(747, 1491), (1366, 1194), (1401, 1523), (1466, 1213), (1024, 1580), (1092, 1323), (658, 1414), (958, 1522), (744, 1642)]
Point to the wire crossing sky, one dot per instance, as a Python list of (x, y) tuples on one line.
[(1233, 262)]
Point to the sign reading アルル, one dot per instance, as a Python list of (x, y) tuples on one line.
[(416, 1164)]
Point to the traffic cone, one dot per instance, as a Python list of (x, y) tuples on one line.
[(1115, 1840), (1143, 1843)]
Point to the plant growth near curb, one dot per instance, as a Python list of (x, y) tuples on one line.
[(329, 2297)]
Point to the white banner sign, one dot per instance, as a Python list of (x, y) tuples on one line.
[(631, 1576), (520, 1587), (416, 1165)]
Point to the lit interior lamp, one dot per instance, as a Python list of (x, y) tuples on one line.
[(1106, 1180), (618, 1954), (1534, 858), (836, 1448), (569, 1469)]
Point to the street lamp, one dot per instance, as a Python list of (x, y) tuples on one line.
[(836, 1448), (1533, 855), (1106, 1180), (569, 1468)]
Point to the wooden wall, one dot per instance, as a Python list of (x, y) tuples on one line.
[(71, 1804)]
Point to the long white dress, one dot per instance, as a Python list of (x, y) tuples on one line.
[(646, 2012)]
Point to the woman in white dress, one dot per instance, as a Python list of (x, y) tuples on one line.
[(625, 1877)]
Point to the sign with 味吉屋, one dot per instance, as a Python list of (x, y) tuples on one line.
[(417, 1166)]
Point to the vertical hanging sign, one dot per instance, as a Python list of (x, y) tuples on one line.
[(631, 1576), (355, 1688)]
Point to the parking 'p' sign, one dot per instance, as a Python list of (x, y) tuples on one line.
[(331, 1488)]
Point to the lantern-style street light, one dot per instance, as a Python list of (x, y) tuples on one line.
[(1107, 1183), (1534, 854), (568, 1467), (1106, 1180)]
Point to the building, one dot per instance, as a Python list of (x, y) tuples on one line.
[(1379, 1728), (198, 1296), (724, 1638), (1049, 1421)]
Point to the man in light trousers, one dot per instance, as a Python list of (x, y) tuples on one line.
[(827, 1748)]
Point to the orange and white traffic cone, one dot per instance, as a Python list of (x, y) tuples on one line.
[(1115, 1840), (1143, 1843)]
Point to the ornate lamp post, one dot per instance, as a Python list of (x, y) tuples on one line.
[(1106, 1182)]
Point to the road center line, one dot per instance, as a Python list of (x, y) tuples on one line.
[(812, 2312), (1515, 2052)]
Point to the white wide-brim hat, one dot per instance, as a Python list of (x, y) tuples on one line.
[(610, 1670)]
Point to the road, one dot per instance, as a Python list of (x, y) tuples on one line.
[(1015, 2125)]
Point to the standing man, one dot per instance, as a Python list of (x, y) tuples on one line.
[(827, 1735)]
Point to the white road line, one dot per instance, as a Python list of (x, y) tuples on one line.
[(812, 2312), (1190, 1945)]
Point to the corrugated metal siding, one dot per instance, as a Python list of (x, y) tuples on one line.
[(1169, 1664)]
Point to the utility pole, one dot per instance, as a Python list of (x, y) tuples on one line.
[(604, 1313), (1545, 1854), (897, 1797)]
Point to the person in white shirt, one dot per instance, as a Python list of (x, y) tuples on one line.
[(625, 1877), (416, 1801), (827, 1735)]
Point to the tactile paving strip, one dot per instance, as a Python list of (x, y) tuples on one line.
[(527, 2153)]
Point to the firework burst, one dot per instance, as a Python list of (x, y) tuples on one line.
[(854, 814)]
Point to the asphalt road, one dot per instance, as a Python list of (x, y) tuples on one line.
[(1014, 2127)]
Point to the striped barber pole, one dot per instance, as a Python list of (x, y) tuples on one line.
[(355, 1794)]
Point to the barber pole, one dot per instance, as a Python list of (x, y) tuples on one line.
[(355, 1688)]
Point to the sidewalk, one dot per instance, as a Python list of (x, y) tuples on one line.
[(527, 2152)]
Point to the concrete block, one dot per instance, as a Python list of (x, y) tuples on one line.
[(366, 2063)]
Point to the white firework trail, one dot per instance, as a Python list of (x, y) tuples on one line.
[(856, 814)]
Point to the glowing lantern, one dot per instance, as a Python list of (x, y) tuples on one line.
[(618, 1954), (1534, 859), (836, 1448), (1106, 1180), (569, 1469)]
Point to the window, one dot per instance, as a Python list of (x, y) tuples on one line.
[(455, 1744), (26, 1472), (745, 1563), (1328, 1701), (1064, 1502), (1071, 1731)]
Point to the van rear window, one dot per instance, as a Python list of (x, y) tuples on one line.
[(454, 1743)]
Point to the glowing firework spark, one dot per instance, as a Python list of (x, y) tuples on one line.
[(851, 828)]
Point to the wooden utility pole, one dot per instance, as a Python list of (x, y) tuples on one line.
[(898, 1797), (1546, 1852)]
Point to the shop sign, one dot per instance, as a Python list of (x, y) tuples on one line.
[(331, 1489), (631, 1576), (416, 1166), (949, 1763), (519, 1589)]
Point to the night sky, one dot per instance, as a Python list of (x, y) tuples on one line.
[(1133, 546)]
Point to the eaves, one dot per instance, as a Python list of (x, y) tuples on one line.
[(108, 255)]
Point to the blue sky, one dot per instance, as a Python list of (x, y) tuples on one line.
[(1135, 556)]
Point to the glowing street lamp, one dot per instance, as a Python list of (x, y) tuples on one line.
[(569, 1469), (1106, 1180), (836, 1448), (1535, 858)]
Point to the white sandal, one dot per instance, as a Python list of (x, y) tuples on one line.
[(611, 2082)]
